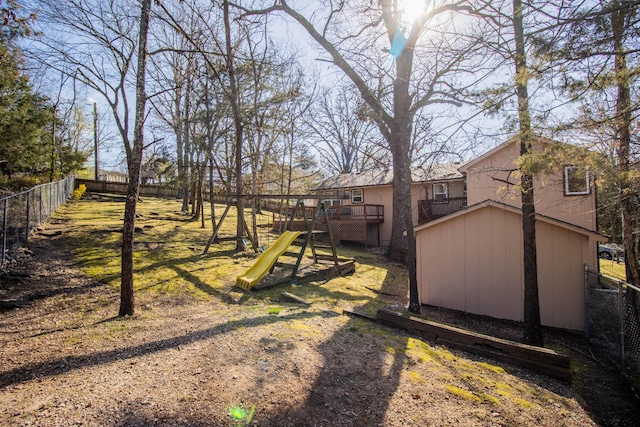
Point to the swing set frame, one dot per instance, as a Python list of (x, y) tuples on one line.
[(309, 236), (231, 202)]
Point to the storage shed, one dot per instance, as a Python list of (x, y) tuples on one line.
[(472, 261)]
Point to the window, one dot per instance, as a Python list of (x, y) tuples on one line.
[(440, 192), (332, 198), (576, 181), (357, 196), (333, 202)]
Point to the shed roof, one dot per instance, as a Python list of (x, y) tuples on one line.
[(592, 235), (378, 177)]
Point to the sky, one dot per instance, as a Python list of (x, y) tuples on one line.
[(285, 31)]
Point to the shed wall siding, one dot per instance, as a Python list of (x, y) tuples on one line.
[(473, 263), (561, 255)]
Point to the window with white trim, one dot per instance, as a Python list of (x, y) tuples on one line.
[(332, 198), (576, 181), (357, 196), (440, 191)]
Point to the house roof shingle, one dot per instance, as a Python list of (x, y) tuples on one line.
[(379, 177)]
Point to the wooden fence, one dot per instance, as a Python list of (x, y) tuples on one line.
[(121, 188)]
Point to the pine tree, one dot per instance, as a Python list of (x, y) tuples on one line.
[(23, 114)]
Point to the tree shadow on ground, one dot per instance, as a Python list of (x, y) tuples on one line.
[(64, 364), (348, 391), (602, 390)]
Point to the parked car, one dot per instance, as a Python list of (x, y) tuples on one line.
[(610, 251)]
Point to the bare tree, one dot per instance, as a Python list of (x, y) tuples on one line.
[(171, 68), (96, 43), (134, 163), (395, 89), (508, 42), (348, 140)]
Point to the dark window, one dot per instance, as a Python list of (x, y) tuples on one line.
[(576, 181)]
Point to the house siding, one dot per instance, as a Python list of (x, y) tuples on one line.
[(382, 196), (487, 180)]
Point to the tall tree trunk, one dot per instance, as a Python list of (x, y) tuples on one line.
[(188, 149), (237, 121), (532, 325), (198, 181), (402, 247), (396, 127), (289, 177), (193, 177), (254, 206), (180, 152), (212, 195), (623, 135), (135, 162)]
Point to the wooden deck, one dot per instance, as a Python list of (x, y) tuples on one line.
[(354, 223), (430, 209), (367, 213)]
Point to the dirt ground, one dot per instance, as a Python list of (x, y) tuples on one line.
[(65, 360)]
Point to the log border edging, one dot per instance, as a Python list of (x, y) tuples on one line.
[(541, 360)]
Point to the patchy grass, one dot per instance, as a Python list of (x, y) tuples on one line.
[(199, 346), (463, 394), (169, 259), (613, 269)]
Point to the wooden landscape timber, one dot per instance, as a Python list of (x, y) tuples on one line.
[(289, 297), (537, 359)]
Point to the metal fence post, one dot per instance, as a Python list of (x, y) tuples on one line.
[(40, 193), (4, 232), (586, 300), (621, 315), (26, 234)]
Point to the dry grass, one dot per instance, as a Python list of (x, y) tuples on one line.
[(613, 269)]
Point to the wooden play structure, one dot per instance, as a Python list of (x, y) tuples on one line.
[(216, 238), (268, 260)]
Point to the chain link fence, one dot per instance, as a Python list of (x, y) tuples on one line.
[(21, 213), (613, 319)]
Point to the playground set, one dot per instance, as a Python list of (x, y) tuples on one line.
[(314, 228)]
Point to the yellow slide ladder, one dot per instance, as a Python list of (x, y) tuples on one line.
[(266, 261)]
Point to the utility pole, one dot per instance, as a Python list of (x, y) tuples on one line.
[(53, 143), (95, 139)]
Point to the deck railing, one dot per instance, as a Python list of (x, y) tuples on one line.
[(432, 209), (363, 212), (369, 213)]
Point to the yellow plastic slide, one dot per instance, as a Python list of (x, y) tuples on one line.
[(266, 260)]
